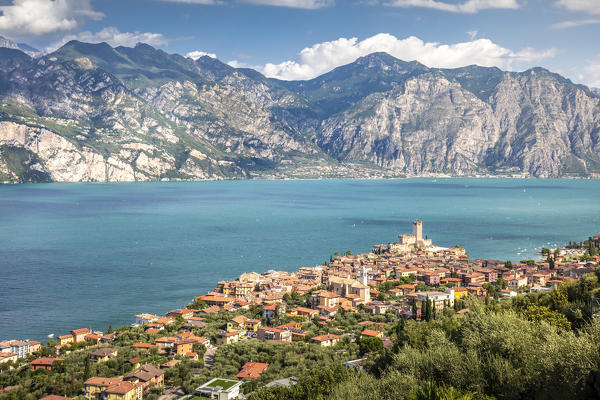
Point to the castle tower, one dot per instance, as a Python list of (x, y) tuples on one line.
[(418, 230)]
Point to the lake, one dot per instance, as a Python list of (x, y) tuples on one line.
[(90, 255)]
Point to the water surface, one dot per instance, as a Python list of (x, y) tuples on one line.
[(87, 255)]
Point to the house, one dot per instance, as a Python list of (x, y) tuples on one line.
[(79, 334), (65, 339), (95, 386), (326, 340), (46, 363), (183, 347), (184, 313), (19, 347), (216, 300), (508, 293), (148, 376), (34, 346), (269, 310), (252, 325), (324, 298), (252, 370), (142, 319), (440, 300), (371, 333), (227, 338), (103, 354), (135, 362), (236, 323), (221, 389), (267, 333), (329, 312), (210, 310), (124, 390), (460, 292), (355, 364), (7, 356), (517, 282), (143, 346), (305, 312), (165, 342), (432, 279)]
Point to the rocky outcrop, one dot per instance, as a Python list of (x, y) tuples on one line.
[(90, 112)]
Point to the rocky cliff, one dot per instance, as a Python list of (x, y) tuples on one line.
[(90, 112)]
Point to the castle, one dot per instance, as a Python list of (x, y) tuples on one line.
[(407, 243)]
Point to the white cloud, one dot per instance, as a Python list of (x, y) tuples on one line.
[(114, 37), (588, 6), (591, 73), (473, 34), (467, 7), (306, 4), (194, 55), (203, 2), (323, 57), (573, 24), (29, 18)]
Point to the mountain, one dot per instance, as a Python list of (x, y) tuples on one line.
[(24, 47), (91, 112)]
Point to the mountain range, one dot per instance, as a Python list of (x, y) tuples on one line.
[(91, 112)]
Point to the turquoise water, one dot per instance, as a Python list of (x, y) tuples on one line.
[(86, 255)]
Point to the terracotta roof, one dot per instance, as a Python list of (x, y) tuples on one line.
[(324, 338), (143, 345), (122, 387), (46, 361), (80, 331), (55, 397), (370, 333), (99, 381), (252, 370)]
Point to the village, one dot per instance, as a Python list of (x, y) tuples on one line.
[(351, 303)]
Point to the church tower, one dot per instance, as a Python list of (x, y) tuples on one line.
[(418, 230)]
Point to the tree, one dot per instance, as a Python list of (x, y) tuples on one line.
[(428, 310), (370, 345), (110, 329)]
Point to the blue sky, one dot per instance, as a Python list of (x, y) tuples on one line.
[(299, 39)]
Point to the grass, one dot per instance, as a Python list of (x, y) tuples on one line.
[(223, 383)]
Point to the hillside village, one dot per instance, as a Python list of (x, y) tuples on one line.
[(344, 309)]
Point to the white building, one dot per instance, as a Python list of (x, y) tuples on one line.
[(440, 300), (18, 347), (142, 319), (220, 389)]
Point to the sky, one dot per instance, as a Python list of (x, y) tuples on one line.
[(301, 39)]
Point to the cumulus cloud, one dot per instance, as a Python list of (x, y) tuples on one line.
[(114, 37), (467, 7), (588, 6), (573, 24), (323, 57), (30, 18), (194, 55)]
